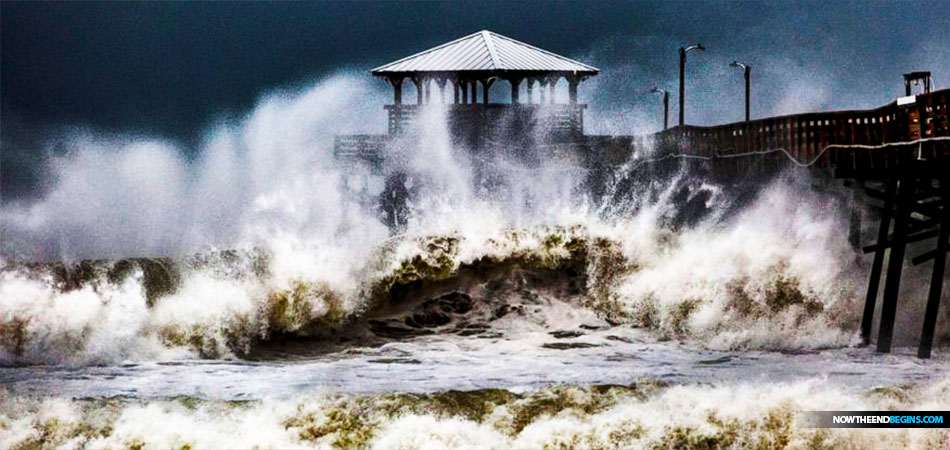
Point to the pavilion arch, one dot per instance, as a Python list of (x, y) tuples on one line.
[(470, 66)]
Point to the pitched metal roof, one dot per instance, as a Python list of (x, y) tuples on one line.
[(485, 51)]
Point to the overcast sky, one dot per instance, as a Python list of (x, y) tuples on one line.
[(170, 69)]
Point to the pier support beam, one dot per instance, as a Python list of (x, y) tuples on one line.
[(874, 283), (936, 280), (895, 263)]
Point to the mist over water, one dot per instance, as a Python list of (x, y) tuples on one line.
[(269, 175), (250, 288), (270, 184), (283, 254)]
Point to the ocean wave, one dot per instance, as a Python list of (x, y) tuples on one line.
[(323, 247), (642, 415), (775, 277)]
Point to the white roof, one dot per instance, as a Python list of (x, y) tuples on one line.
[(485, 51)]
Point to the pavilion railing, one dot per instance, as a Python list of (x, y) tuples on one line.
[(554, 120), (365, 147)]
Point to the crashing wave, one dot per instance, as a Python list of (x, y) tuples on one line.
[(641, 415), (772, 285)]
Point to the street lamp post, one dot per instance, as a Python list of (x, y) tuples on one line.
[(666, 105), (683, 52), (747, 70)]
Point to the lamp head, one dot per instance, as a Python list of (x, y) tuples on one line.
[(696, 47), (738, 64)]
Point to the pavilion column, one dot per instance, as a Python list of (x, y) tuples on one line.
[(541, 84), (441, 83), (418, 82), (530, 90), (486, 86), (515, 89), (428, 89), (397, 89), (473, 87), (455, 90), (552, 82), (572, 83)]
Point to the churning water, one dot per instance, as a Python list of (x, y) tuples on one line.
[(264, 292)]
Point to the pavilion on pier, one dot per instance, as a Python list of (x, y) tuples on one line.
[(474, 64)]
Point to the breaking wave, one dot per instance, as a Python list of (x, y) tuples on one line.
[(315, 254), (642, 415), (769, 278)]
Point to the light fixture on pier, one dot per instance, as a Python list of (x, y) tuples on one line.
[(747, 70), (666, 104), (683, 52)]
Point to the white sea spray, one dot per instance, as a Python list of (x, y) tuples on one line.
[(679, 416), (775, 273)]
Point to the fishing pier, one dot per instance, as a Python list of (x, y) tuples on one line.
[(896, 158)]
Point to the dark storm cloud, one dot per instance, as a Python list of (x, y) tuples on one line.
[(171, 68)]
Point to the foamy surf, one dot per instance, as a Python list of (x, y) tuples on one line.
[(644, 415), (281, 303), (749, 283)]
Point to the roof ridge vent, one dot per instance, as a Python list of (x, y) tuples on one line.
[(495, 61)]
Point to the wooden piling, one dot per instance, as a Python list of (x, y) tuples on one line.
[(895, 263), (875, 281), (936, 280)]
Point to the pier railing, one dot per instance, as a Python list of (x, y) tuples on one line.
[(806, 137), (821, 139)]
